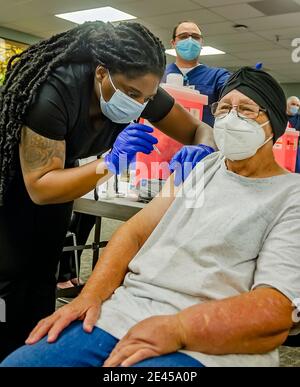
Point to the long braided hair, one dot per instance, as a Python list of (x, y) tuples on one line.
[(127, 48)]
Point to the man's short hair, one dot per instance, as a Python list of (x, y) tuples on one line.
[(179, 24)]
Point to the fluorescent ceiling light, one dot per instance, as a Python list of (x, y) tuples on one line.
[(105, 14), (206, 50)]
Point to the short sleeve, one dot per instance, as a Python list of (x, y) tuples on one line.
[(278, 264), (159, 107), (48, 115)]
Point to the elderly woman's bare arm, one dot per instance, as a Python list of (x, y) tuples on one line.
[(252, 323), (255, 322)]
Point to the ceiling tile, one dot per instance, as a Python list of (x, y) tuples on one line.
[(237, 11), (115, 3), (218, 29), (261, 55), (233, 38), (145, 8), (215, 3), (60, 6), (37, 27), (249, 47), (276, 7), (199, 16), (284, 61), (13, 2), (36, 8), (287, 43), (283, 33), (272, 22)]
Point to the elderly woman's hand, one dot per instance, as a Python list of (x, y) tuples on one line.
[(85, 308), (155, 336)]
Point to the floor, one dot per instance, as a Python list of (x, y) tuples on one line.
[(290, 357)]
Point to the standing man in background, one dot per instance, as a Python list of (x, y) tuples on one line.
[(293, 105), (188, 42)]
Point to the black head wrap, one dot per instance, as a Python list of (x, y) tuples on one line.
[(263, 89)]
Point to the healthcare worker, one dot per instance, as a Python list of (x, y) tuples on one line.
[(187, 40), (188, 43), (66, 98)]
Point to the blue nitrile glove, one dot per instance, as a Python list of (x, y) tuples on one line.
[(186, 159), (133, 139)]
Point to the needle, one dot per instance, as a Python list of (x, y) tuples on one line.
[(156, 149)]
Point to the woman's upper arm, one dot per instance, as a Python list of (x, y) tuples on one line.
[(38, 156)]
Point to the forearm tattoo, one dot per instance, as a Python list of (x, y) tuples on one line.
[(38, 152)]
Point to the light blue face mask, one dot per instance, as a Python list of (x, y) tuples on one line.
[(120, 109), (294, 110), (188, 49)]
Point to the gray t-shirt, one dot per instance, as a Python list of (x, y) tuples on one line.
[(244, 234)]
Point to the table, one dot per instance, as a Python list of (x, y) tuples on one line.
[(116, 208)]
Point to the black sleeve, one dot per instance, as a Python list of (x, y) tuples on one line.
[(159, 107), (48, 114)]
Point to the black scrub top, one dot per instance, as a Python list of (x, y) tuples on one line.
[(61, 112)]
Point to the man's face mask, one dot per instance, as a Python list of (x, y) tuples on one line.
[(120, 109), (294, 110), (237, 138), (188, 49)]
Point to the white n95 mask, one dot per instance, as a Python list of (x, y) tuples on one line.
[(237, 138), (120, 109)]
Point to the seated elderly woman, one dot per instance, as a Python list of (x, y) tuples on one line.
[(203, 277)]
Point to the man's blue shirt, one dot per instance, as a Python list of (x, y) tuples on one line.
[(208, 80)]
